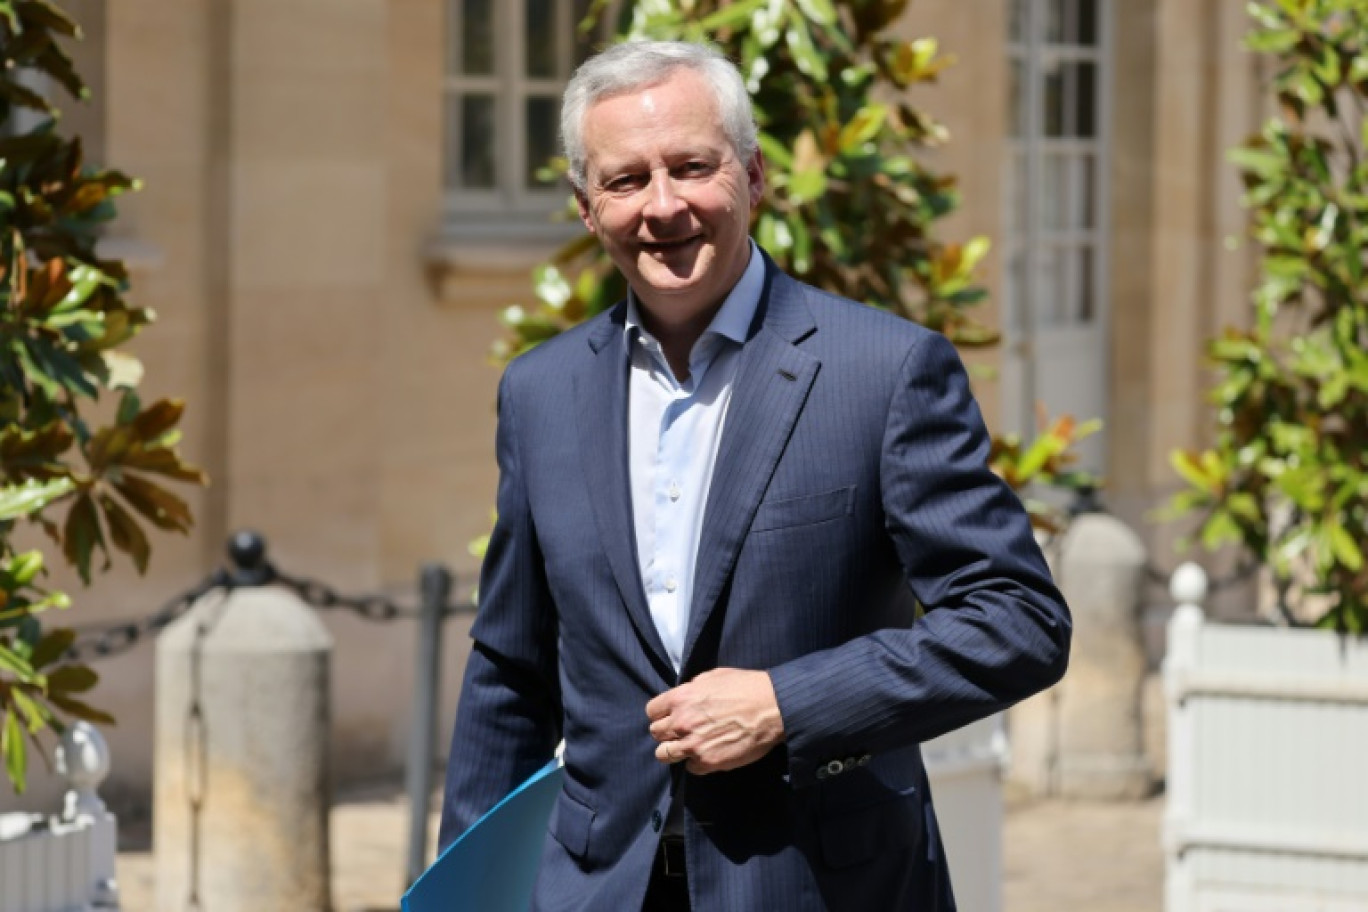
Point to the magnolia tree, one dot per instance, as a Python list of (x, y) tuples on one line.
[(90, 486), (1287, 478), (848, 206)]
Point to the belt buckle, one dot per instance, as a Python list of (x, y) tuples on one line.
[(672, 853)]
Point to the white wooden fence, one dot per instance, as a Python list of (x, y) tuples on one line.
[(64, 862), (966, 770), (1268, 765)]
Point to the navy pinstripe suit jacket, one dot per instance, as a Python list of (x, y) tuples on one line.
[(850, 484)]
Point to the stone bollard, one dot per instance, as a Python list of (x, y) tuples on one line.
[(1101, 731), (1084, 738), (241, 793)]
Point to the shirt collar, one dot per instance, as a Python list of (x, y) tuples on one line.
[(733, 319)]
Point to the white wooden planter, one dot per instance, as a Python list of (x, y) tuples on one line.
[(966, 769), (65, 862), (1268, 765)]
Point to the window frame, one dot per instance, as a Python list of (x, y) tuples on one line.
[(511, 199)]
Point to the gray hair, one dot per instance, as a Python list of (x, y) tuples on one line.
[(634, 65)]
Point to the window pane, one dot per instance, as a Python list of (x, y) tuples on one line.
[(539, 24), (1016, 98), (1085, 99), (1016, 20), (478, 141), (1053, 190), (541, 137), (477, 37), (1084, 308), (1087, 22), (1016, 192), (1049, 306), (1054, 101), (584, 44), (1081, 191), (1056, 21)]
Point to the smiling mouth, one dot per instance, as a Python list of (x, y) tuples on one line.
[(668, 246)]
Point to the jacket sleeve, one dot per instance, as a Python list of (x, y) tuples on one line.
[(509, 718), (995, 628)]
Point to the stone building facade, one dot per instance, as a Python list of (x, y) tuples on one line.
[(327, 233)]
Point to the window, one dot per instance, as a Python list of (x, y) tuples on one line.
[(1054, 236), (507, 63)]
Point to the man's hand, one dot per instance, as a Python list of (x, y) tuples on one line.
[(722, 719)]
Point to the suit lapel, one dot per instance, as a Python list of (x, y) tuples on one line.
[(768, 393), (601, 391)]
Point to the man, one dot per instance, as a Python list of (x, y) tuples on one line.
[(719, 506)]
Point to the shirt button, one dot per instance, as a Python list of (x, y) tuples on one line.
[(671, 584), (656, 821), (674, 491)]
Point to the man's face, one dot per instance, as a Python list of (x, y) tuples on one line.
[(666, 194)]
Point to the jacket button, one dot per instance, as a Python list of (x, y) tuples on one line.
[(656, 821), (835, 768)]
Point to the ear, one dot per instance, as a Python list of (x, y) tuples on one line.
[(582, 203), (755, 177)]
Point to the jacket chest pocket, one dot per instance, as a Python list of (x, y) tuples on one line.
[(806, 510)]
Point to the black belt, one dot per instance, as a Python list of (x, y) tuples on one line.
[(670, 856)]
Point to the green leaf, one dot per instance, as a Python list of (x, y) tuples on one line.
[(1345, 549), (16, 761), (35, 714), (16, 664), (731, 16), (821, 11), (32, 496), (72, 679), (81, 710), (52, 647), (862, 128)]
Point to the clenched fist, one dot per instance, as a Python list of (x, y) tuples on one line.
[(721, 720)]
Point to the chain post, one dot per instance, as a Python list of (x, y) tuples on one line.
[(434, 584)]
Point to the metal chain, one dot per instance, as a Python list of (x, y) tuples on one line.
[(321, 595), (106, 640)]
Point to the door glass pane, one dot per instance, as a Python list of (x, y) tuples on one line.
[(541, 125), (1054, 100), (477, 37), (1049, 305), (478, 141), (1087, 22), (585, 44), (1053, 190), (1016, 20), (1085, 100), (1085, 307), (1056, 21), (1016, 98), (1017, 180), (539, 28), (1082, 191)]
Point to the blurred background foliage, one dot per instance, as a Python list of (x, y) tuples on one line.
[(848, 207), (1286, 480), (91, 477)]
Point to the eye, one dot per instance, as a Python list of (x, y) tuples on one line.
[(625, 183), (697, 168)]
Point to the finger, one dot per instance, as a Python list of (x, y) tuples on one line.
[(663, 730), (659, 706), (665, 753)]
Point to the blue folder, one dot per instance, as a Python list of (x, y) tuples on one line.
[(491, 867)]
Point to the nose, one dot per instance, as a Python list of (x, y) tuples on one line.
[(662, 203)]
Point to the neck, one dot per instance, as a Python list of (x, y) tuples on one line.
[(676, 336)]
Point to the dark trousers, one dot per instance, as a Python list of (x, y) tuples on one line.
[(669, 889)]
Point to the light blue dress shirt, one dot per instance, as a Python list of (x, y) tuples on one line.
[(674, 429)]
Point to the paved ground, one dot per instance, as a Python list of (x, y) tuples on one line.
[(1060, 856)]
